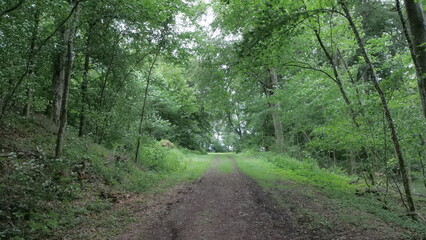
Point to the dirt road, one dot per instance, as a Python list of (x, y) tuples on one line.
[(221, 205), (227, 204)]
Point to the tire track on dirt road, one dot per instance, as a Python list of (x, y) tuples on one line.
[(220, 205)]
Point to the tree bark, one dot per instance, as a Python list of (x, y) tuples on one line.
[(417, 43), (69, 41), (27, 105), (391, 125), (58, 84), (276, 117)]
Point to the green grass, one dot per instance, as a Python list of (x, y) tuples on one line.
[(225, 163), (272, 171), (194, 166), (109, 221), (419, 187)]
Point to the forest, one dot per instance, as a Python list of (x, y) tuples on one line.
[(109, 108)]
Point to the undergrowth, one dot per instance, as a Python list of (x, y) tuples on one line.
[(41, 195)]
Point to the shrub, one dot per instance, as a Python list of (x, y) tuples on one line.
[(167, 144), (157, 158)]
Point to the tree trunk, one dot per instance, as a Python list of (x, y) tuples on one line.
[(352, 162), (388, 115), (417, 45), (69, 46), (82, 125), (27, 105), (276, 117), (99, 127), (145, 99), (85, 83), (353, 83), (58, 85), (148, 82), (8, 98)]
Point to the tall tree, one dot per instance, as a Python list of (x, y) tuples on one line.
[(390, 121), (272, 86), (27, 106), (65, 79), (146, 92), (417, 43)]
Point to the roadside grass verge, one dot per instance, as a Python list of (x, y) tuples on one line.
[(326, 198), (112, 217), (194, 167)]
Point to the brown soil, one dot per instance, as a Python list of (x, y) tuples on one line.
[(218, 206)]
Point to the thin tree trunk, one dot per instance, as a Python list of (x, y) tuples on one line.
[(352, 80), (235, 129), (421, 153), (417, 43), (420, 77), (99, 127), (388, 115), (85, 83), (27, 105), (145, 98), (337, 79), (352, 162), (58, 85), (69, 41), (148, 82), (334, 158), (105, 82)]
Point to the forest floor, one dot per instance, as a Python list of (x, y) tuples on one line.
[(228, 204)]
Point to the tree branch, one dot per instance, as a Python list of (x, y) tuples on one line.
[(309, 67), (19, 4)]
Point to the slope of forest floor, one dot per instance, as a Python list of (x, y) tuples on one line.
[(43, 197)]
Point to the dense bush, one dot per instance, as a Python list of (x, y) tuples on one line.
[(29, 187), (158, 158)]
